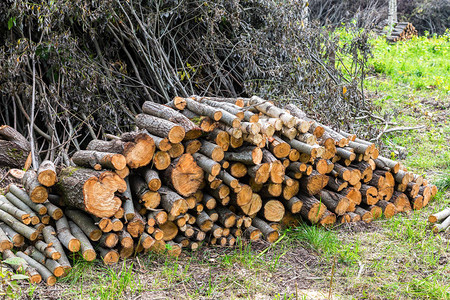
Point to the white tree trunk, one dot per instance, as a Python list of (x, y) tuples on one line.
[(392, 16)]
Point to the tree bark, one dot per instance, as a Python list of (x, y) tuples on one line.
[(85, 223), (98, 160), (37, 192), (14, 148)]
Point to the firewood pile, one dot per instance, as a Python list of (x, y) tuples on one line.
[(199, 170), (401, 32)]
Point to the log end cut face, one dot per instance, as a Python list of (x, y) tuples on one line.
[(186, 176), (99, 198), (139, 153)]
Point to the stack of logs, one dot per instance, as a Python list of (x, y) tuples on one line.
[(200, 170), (401, 32)]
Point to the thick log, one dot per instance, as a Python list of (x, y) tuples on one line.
[(294, 205), (388, 208), (291, 191), (109, 256), (170, 230), (369, 194), (37, 192), (401, 202), (46, 173), (14, 148), (260, 173), (328, 219), (272, 210), (312, 209), (91, 191), (137, 147), (334, 201), (253, 206), (184, 175), (161, 127), (365, 215), (314, 183)]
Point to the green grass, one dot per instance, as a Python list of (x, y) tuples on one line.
[(422, 62)]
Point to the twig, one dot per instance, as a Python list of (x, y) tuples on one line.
[(396, 129), (30, 128)]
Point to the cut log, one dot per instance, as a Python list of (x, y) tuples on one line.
[(162, 144), (387, 164), (204, 222), (87, 251), (312, 209), (165, 112), (54, 211), (252, 233), (28, 232), (161, 127), (365, 215), (273, 111), (109, 256), (260, 173), (328, 219), (46, 174), (337, 184), (65, 235), (401, 202), (170, 230), (19, 214), (16, 238), (314, 183), (85, 223), (98, 160), (388, 208), (443, 226), (315, 127), (334, 201), (34, 276), (5, 242), (136, 226), (253, 206), (37, 192), (269, 234), (208, 165), (23, 201), (91, 191), (246, 155), (140, 189), (172, 202), (176, 151), (48, 277), (439, 216), (137, 147), (272, 210), (369, 194), (294, 205), (291, 191)]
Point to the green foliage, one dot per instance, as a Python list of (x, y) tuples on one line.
[(8, 280), (422, 62)]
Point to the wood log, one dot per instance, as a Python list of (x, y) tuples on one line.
[(48, 277), (172, 202), (14, 148), (238, 170), (37, 192), (46, 173), (243, 196), (314, 151), (312, 209), (176, 151), (277, 170), (140, 189), (28, 232), (443, 226), (291, 191), (47, 250), (253, 206), (315, 127), (19, 214), (65, 235), (162, 143), (117, 225), (273, 111), (369, 194), (161, 127), (85, 222), (204, 222), (5, 242), (23, 266), (98, 160), (170, 230), (337, 184), (328, 219), (294, 205), (417, 202), (269, 234), (272, 210), (203, 109), (91, 191), (192, 146), (314, 183), (388, 208), (136, 226), (137, 147), (109, 256), (23, 201), (260, 172), (160, 216), (246, 155), (252, 233), (387, 164), (208, 165), (165, 112), (439, 216), (17, 239), (401, 202), (334, 201), (54, 211), (365, 215)]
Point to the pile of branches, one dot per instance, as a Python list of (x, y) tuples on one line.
[(70, 71)]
